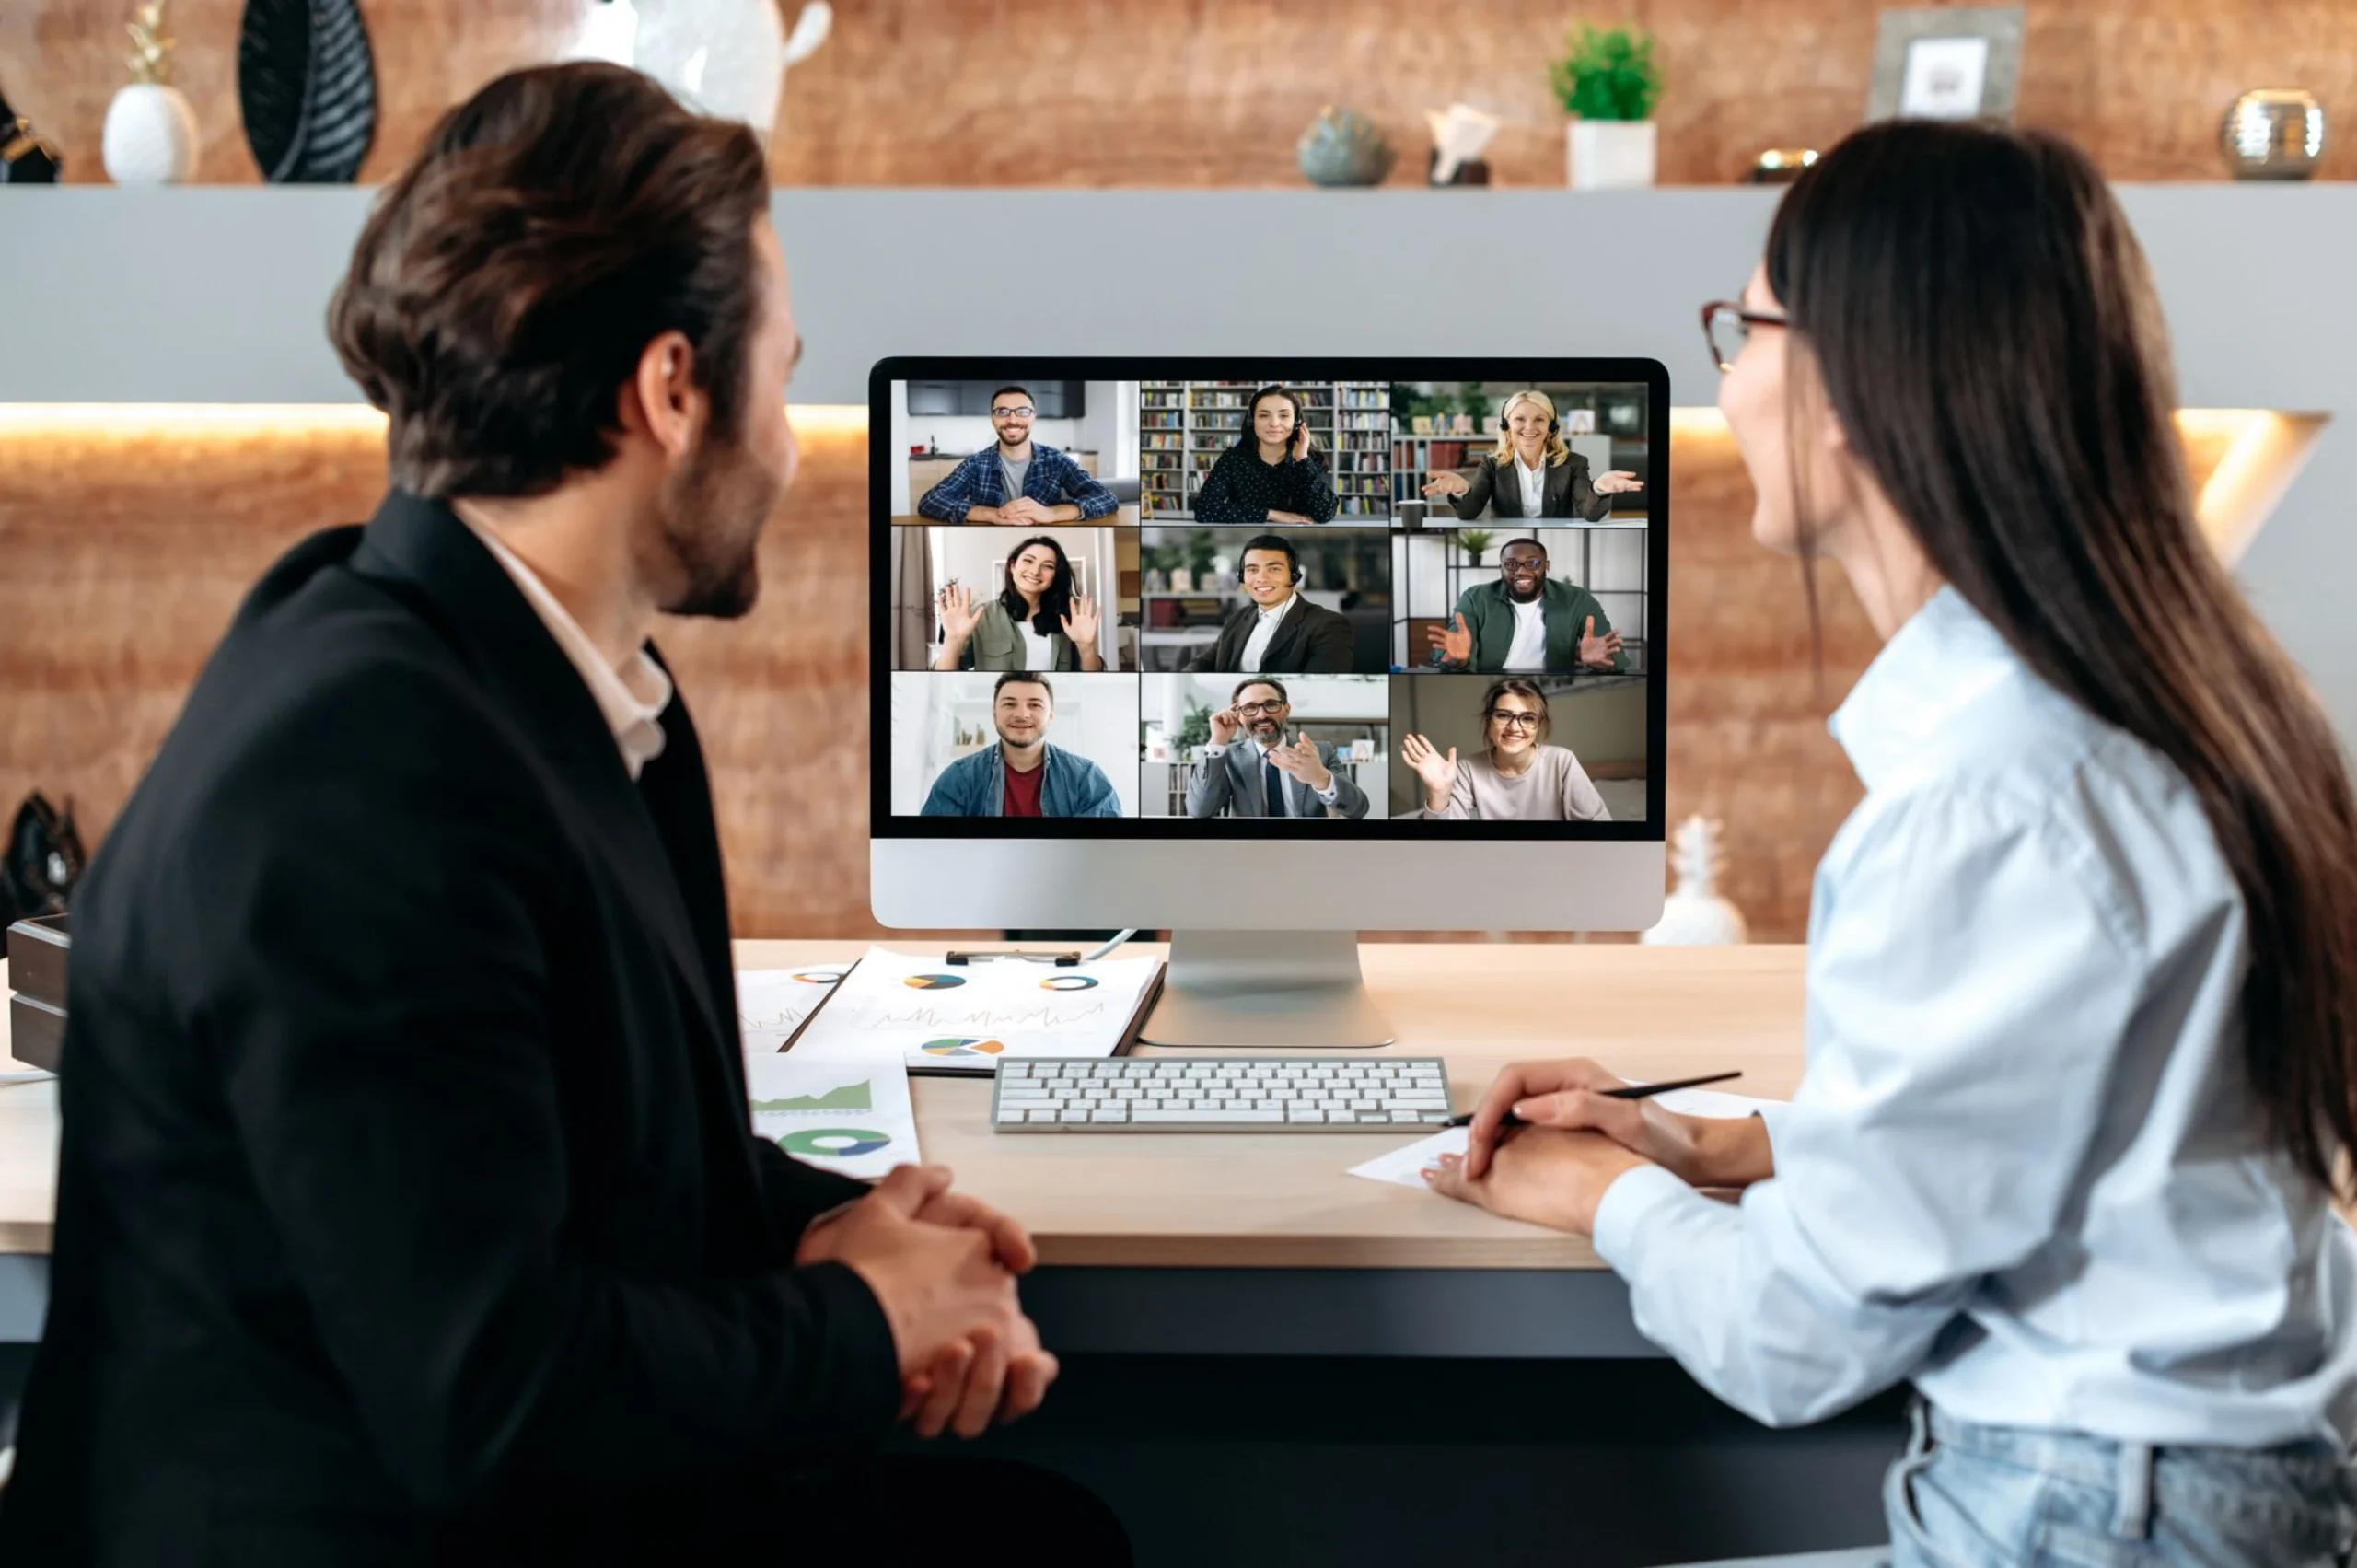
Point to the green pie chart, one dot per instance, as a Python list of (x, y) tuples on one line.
[(834, 1142)]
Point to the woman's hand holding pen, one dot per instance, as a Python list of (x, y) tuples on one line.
[(1701, 1150), (1552, 1179)]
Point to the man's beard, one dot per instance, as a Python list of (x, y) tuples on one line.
[(710, 516), (1521, 595)]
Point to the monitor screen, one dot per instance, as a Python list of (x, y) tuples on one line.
[(1374, 599)]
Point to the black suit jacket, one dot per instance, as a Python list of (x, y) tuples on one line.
[(1565, 491), (1310, 640), (409, 1207)]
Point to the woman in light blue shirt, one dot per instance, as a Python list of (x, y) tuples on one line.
[(2083, 964)]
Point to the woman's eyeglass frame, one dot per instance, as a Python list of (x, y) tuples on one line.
[(1519, 721), (1745, 319)]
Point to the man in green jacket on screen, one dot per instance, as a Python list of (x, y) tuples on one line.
[(1527, 623)]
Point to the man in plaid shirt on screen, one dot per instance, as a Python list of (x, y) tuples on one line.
[(1047, 486)]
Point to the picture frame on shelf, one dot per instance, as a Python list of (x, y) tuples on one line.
[(1960, 63)]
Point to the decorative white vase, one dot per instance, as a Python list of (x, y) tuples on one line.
[(723, 57), (1694, 915), (150, 136), (1609, 154)]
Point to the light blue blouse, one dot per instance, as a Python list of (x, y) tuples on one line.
[(2022, 1168)]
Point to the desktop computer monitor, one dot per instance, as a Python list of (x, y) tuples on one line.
[(1267, 653)]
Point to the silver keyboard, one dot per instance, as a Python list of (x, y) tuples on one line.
[(1220, 1094)]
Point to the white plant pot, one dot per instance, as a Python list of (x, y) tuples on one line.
[(150, 136), (1611, 154)]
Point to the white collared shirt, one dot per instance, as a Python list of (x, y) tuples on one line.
[(1534, 485), (1261, 748), (2024, 1166), (631, 697), (1263, 630)]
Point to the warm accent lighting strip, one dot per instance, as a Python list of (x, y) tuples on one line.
[(2260, 449), (258, 419)]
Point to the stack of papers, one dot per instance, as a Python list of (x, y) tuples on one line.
[(773, 1004), (930, 1017), (847, 1117)]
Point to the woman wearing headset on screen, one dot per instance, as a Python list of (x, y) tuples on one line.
[(2081, 989), (1273, 473), (1515, 777), (1533, 473), (1038, 623)]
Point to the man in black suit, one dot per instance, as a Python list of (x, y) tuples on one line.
[(1280, 633), (409, 1206)]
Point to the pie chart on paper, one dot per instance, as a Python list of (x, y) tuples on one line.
[(934, 981), (834, 1142), (962, 1046), (1068, 983)]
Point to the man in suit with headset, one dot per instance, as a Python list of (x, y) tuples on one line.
[(1250, 770), (409, 1206), (1280, 633)]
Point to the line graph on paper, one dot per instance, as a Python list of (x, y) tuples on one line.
[(1046, 1018)]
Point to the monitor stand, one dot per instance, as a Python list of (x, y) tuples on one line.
[(1265, 990)]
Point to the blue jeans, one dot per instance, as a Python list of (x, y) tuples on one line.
[(1967, 1496)]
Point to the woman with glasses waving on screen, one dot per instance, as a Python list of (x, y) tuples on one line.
[(2081, 995), (1516, 777)]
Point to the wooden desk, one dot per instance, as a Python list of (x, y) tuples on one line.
[(1124, 516), (1247, 1200)]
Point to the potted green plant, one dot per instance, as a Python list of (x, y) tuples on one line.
[(1475, 541), (1196, 730), (1608, 80)]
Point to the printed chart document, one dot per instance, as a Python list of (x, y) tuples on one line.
[(773, 1004), (847, 1116), (1404, 1167), (936, 1018)]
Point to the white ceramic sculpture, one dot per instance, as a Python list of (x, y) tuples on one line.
[(150, 132), (1694, 915), (723, 57)]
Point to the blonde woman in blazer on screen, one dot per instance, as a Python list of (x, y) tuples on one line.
[(1533, 473)]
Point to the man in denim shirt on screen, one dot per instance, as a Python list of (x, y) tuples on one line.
[(1047, 486), (1022, 775)]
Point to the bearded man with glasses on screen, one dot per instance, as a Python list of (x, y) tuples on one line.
[(1018, 481)]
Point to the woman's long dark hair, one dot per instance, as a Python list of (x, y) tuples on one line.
[(1248, 439), (1979, 318), (1055, 603)]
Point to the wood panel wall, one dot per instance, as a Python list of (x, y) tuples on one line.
[(1214, 92), (126, 552)]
